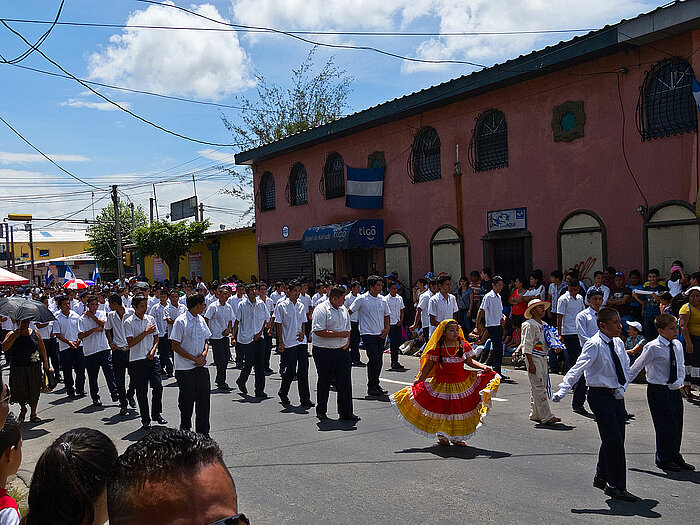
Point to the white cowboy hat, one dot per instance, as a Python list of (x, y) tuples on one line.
[(532, 304)]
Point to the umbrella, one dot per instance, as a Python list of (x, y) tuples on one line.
[(21, 309), (12, 279), (75, 284), (89, 282), (141, 284)]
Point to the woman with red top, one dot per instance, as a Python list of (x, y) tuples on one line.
[(446, 400), (518, 301)]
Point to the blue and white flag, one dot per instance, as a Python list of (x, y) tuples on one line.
[(49, 275), (364, 188), (696, 91), (96, 273), (69, 274)]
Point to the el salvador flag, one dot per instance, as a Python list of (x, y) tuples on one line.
[(364, 188), (69, 274), (96, 273), (696, 91), (49, 276)]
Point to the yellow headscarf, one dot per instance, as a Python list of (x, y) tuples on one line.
[(433, 342)]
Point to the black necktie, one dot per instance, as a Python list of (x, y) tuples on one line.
[(618, 366), (673, 372)]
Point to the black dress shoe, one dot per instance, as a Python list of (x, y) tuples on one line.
[(599, 483), (242, 387), (160, 420), (629, 416), (359, 363), (384, 392), (96, 403), (261, 395), (146, 427), (72, 395), (322, 416), (375, 392), (685, 466), (398, 367), (308, 403), (620, 494), (582, 411), (669, 466), (504, 377), (131, 401), (224, 387), (283, 398), (350, 417), (123, 411), (115, 397), (81, 394)]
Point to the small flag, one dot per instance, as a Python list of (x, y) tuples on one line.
[(69, 274), (364, 188), (696, 91), (96, 273), (49, 275)]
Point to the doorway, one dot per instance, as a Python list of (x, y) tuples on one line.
[(508, 255), (358, 262)]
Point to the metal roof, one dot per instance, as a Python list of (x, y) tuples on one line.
[(43, 236), (660, 23)]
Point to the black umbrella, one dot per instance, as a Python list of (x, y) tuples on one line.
[(21, 309)]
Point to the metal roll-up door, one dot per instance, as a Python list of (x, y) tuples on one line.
[(288, 261)]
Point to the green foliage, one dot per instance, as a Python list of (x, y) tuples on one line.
[(169, 241), (102, 239)]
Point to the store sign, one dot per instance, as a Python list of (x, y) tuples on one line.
[(503, 220), (158, 269), (195, 264), (285, 231)]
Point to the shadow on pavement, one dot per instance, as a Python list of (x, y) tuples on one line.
[(642, 508), (91, 409), (245, 398), (32, 430), (291, 409), (328, 425), (384, 398), (116, 418), (555, 426), (692, 476), (456, 452), (135, 435)]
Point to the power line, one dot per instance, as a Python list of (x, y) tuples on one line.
[(41, 40), (74, 213)]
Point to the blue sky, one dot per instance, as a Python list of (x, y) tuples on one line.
[(103, 145)]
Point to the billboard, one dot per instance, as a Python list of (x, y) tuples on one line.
[(183, 209)]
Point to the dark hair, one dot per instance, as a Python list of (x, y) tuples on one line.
[(496, 279), (91, 298), (474, 273), (666, 296), (663, 321), (572, 281), (61, 299), (487, 271), (252, 287), (159, 456), (557, 274), (677, 263), (655, 271), (136, 301), (357, 283), (444, 277), (373, 279), (635, 272), (573, 272), (336, 291), (10, 433), (597, 273), (441, 342), (69, 478), (294, 283), (606, 314), (193, 300), (115, 298)]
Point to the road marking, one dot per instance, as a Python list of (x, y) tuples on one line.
[(498, 399), (395, 382)]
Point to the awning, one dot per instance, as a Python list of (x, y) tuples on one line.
[(364, 233)]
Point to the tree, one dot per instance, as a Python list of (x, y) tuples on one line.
[(310, 101), (102, 240), (169, 241)]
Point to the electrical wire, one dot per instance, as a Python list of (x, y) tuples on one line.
[(36, 45), (72, 214), (624, 151)]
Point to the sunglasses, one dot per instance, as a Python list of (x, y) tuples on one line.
[(238, 519)]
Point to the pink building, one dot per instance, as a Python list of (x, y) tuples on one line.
[(580, 154)]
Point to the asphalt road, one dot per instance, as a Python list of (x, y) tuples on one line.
[(291, 468)]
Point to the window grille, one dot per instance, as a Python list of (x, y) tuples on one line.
[(295, 192), (266, 192), (488, 148), (666, 105), (424, 159), (332, 183)]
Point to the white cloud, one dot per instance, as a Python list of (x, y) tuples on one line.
[(445, 15), (206, 64), (102, 106), (7, 157), (219, 156)]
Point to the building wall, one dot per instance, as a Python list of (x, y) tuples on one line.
[(56, 249), (237, 255), (551, 178)]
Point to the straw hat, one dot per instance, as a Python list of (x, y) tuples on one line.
[(532, 304)]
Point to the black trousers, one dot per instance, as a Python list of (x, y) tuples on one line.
[(144, 372), (333, 364), (395, 342), (571, 353), (254, 358), (296, 362), (374, 346), (239, 353), (220, 350), (194, 395), (93, 364), (268, 350), (610, 418), (51, 345), (73, 360), (165, 353), (666, 407), (120, 365), (496, 336), (355, 341)]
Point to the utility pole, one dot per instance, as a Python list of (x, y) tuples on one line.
[(155, 202), (201, 212), (12, 243), (7, 245), (118, 234), (194, 185), (28, 226), (151, 209)]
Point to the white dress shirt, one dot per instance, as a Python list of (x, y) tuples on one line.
[(586, 324), (234, 301), (597, 364), (133, 327), (318, 299), (395, 303), (96, 341), (44, 332), (423, 300), (126, 301), (292, 317), (307, 302), (555, 291), (191, 332), (219, 316), (602, 288), (152, 301), (349, 299), (569, 307), (159, 311), (251, 319), (67, 326), (492, 305), (444, 308), (173, 311), (656, 360), (116, 324), (79, 307), (371, 313), (277, 296), (326, 317)]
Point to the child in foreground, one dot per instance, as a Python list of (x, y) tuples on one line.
[(10, 460)]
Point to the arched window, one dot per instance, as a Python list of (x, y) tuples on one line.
[(488, 148), (446, 252), (266, 192), (296, 187), (424, 159), (666, 105), (582, 244), (333, 179), (672, 231), (397, 256)]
